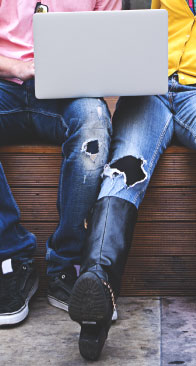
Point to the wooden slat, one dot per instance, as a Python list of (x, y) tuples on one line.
[(149, 276), (43, 170), (31, 169), (50, 149), (160, 204), (174, 170), (30, 149), (111, 102), (37, 204), (42, 231), (150, 239), (168, 204), (164, 239), (160, 276), (174, 149)]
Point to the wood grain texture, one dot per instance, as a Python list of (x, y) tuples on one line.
[(160, 204), (162, 259), (36, 169), (161, 276), (150, 239), (49, 149), (174, 275)]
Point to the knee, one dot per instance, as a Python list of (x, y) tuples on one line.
[(92, 113), (95, 151)]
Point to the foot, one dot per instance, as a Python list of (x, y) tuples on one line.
[(18, 283), (92, 305), (60, 287)]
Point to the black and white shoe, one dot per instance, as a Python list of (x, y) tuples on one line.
[(60, 287), (91, 305), (18, 283)]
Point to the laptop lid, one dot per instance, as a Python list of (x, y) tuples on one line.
[(95, 54)]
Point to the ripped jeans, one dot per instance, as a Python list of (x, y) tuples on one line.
[(142, 129), (83, 128)]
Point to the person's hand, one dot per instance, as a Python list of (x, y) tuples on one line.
[(24, 70)]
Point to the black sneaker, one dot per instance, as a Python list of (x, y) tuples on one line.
[(60, 288), (18, 283), (91, 305)]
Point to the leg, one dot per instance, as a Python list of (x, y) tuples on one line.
[(85, 152), (140, 136), (15, 240), (18, 279), (185, 115), (83, 128)]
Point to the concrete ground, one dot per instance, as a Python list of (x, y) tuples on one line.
[(150, 332)]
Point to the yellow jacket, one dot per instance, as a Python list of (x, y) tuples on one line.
[(182, 39)]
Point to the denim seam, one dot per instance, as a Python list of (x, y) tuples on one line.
[(48, 114), (45, 113), (12, 111), (154, 155), (184, 126)]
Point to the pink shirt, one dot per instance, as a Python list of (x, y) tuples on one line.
[(16, 36)]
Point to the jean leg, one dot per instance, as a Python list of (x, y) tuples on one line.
[(15, 240), (85, 152), (143, 128)]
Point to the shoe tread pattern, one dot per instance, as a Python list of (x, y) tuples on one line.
[(88, 300)]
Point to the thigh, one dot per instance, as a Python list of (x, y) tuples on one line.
[(62, 120), (142, 127), (185, 116), (85, 113)]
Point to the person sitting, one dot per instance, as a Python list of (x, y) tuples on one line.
[(75, 124), (143, 127)]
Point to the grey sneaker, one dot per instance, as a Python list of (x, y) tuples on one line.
[(18, 283)]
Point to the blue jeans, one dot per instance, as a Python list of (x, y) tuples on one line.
[(142, 129), (83, 128)]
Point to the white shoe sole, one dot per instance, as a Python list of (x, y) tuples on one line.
[(21, 314), (57, 303), (63, 306)]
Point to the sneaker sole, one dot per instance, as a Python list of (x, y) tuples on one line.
[(88, 303), (21, 314), (57, 303)]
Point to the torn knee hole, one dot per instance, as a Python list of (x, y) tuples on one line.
[(132, 169), (91, 148)]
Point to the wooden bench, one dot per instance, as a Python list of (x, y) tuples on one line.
[(162, 260)]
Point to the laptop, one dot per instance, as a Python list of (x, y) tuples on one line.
[(100, 54)]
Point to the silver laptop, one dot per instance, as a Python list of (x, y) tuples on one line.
[(99, 54)]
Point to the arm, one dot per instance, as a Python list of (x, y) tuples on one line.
[(155, 4), (108, 5), (12, 68)]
